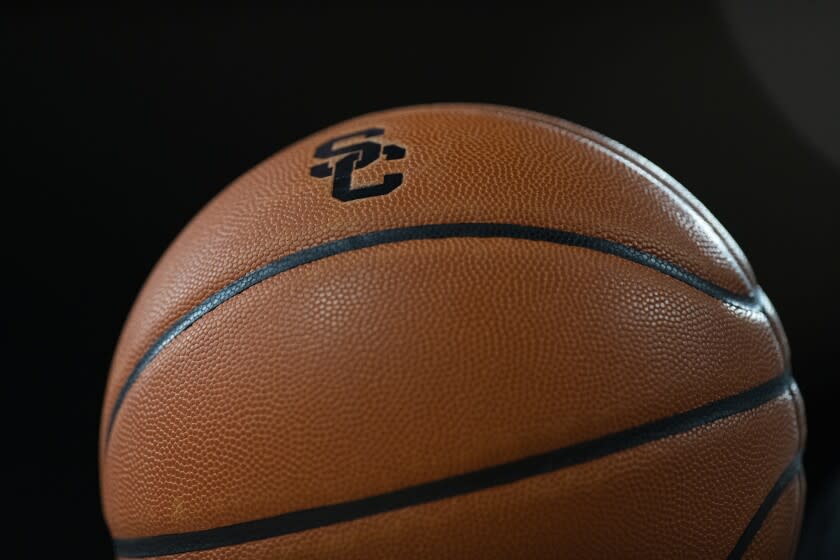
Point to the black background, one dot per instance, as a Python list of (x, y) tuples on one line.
[(119, 127)]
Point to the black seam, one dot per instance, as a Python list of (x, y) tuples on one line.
[(631, 159), (646, 167), (763, 511), (430, 231), (794, 541), (470, 482)]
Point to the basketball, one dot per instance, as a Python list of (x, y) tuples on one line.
[(453, 331)]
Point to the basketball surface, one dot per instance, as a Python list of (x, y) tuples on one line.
[(453, 331)]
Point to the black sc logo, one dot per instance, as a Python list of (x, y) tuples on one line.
[(357, 156)]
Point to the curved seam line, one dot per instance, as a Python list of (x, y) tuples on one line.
[(645, 168), (426, 231), (798, 520), (775, 325), (800, 422), (800, 444), (468, 483), (755, 524), (655, 175)]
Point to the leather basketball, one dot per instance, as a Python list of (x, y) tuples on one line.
[(453, 331)]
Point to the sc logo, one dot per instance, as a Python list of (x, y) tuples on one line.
[(357, 156)]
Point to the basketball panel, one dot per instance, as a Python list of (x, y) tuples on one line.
[(472, 352), (683, 497), (779, 531), (463, 164)]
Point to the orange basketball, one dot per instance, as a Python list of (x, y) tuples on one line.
[(453, 331)]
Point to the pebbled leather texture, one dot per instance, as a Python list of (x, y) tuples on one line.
[(390, 366), (778, 534)]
